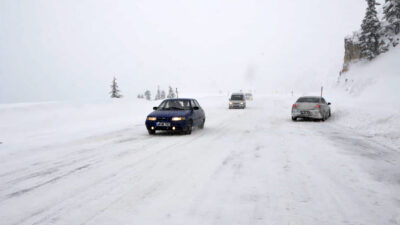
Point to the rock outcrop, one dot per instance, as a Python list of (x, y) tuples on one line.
[(352, 51)]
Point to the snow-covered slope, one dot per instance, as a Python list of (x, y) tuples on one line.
[(370, 102)]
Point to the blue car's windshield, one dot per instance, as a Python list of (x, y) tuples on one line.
[(175, 105)]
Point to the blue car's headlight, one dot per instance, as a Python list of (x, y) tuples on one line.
[(152, 118), (178, 118)]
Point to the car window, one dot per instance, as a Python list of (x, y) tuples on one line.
[(237, 97), (193, 103), (309, 100), (175, 105), (323, 101), (197, 103)]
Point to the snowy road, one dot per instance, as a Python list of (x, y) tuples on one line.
[(252, 166)]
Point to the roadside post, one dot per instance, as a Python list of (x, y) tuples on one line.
[(322, 90)]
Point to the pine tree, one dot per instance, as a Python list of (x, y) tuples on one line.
[(115, 92), (158, 95), (171, 93), (391, 11), (370, 28), (162, 96), (148, 95)]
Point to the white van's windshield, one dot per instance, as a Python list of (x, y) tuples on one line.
[(237, 97)]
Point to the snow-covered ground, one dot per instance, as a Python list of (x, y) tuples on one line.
[(371, 102), (64, 163)]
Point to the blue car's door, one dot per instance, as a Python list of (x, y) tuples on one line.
[(195, 113), (200, 113)]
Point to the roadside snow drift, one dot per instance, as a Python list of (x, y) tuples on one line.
[(371, 104)]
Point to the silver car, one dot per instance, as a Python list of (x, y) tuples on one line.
[(311, 107), (237, 101)]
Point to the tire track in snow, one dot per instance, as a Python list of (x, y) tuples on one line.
[(114, 179)]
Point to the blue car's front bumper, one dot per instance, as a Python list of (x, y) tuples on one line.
[(173, 125)]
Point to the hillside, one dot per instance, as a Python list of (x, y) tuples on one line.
[(370, 95)]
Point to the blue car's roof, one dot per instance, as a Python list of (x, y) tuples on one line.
[(170, 99)]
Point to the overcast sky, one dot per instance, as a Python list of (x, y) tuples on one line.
[(71, 49)]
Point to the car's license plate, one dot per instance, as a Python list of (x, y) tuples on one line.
[(163, 124), (305, 113)]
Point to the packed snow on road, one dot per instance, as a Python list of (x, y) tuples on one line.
[(64, 163)]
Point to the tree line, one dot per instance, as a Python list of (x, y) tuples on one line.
[(377, 36), (160, 94)]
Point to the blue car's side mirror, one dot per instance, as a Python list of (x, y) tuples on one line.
[(329, 103), (196, 108), (155, 108)]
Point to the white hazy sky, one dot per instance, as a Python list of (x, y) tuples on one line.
[(71, 49)]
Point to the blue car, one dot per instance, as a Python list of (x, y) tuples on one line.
[(176, 115)]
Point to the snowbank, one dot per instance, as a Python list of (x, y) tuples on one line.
[(33, 124), (370, 102)]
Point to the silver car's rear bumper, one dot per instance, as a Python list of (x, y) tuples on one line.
[(313, 114)]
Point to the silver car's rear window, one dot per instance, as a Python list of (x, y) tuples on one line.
[(311, 100)]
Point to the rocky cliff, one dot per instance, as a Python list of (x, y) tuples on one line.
[(352, 51)]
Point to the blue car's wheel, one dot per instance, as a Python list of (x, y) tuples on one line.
[(189, 127), (151, 132)]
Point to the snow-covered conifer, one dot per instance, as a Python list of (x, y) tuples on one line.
[(162, 95), (148, 95), (370, 28), (391, 10), (158, 95), (171, 93), (115, 92)]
